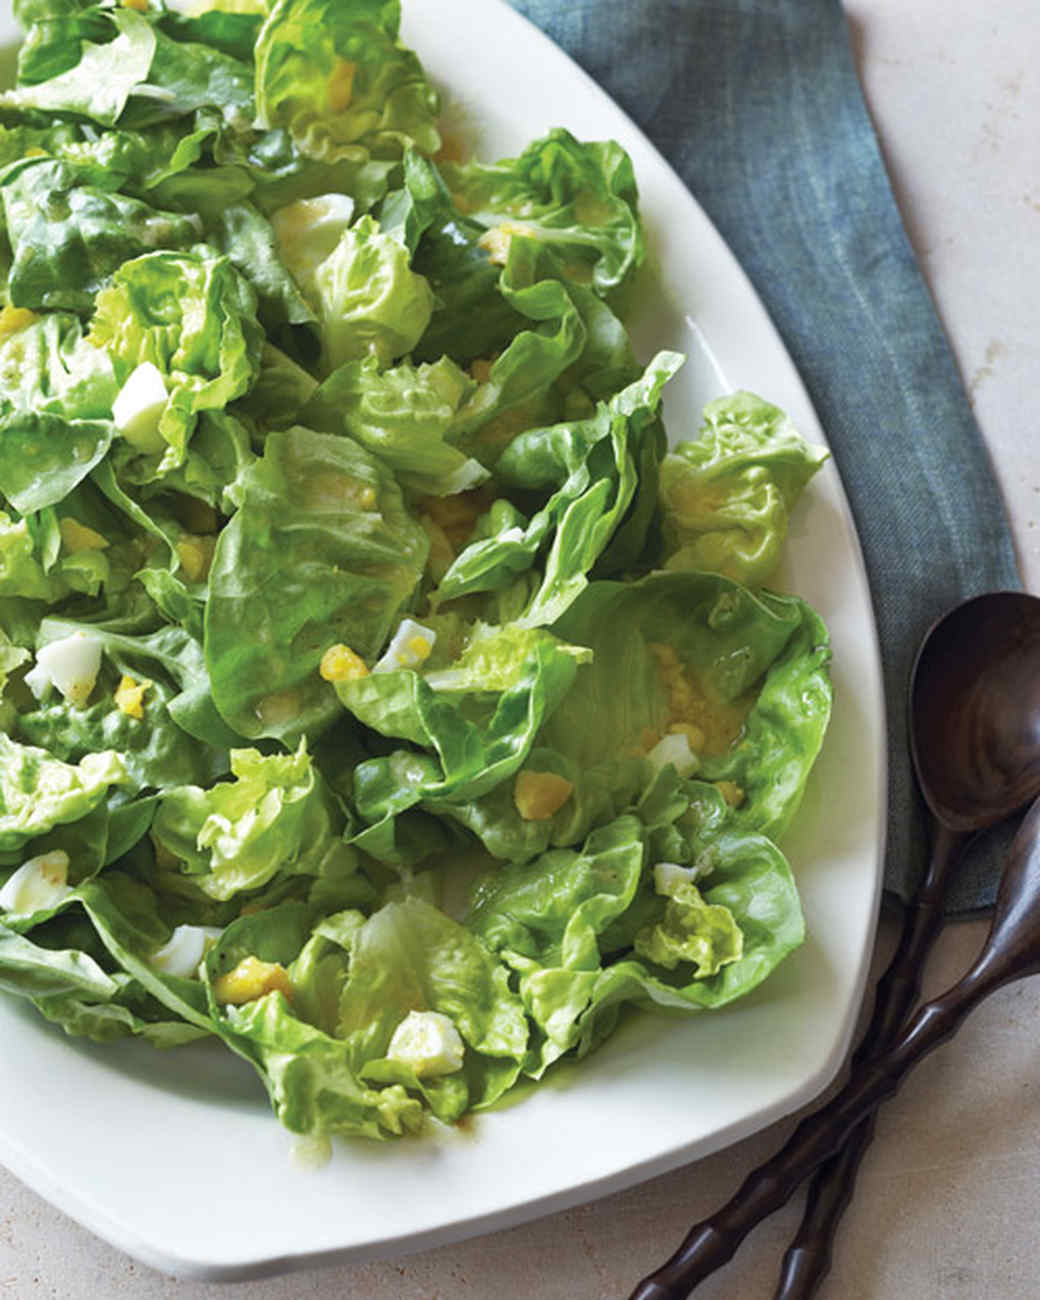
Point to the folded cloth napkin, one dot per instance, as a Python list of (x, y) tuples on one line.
[(757, 106)]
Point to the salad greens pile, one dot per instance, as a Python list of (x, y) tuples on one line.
[(380, 695)]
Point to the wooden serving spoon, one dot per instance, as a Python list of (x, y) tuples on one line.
[(975, 742), (975, 739)]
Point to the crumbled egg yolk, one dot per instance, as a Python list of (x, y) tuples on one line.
[(441, 554), (340, 664), (711, 726), (251, 979), (495, 241), (15, 319), (196, 556), (77, 537), (128, 696), (367, 498), (731, 792), (480, 369), (419, 648), (140, 5), (341, 85), (539, 795), (456, 516)]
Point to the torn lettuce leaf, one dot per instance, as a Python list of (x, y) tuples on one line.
[(39, 792), (369, 301), (726, 497), (321, 551), (555, 923), (276, 817), (193, 317), (336, 77), (743, 676), (70, 230), (407, 415), (100, 82), (580, 199), (589, 468)]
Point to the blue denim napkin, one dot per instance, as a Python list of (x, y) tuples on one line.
[(757, 106)]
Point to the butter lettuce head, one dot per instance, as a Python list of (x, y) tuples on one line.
[(407, 415), (323, 1052), (56, 394), (580, 199), (473, 722), (585, 933), (370, 302), (410, 956), (739, 680), (276, 817), (191, 315), (692, 930), (312, 1083), (727, 496), (335, 76), (590, 469)]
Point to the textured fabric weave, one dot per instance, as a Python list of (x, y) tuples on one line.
[(757, 105)]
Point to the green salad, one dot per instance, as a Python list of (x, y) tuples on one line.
[(380, 695)]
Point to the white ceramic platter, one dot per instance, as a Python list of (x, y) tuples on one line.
[(176, 1158)]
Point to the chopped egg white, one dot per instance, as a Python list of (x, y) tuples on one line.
[(411, 646), (429, 1042), (308, 230), (37, 884), (675, 749), (183, 952), (668, 876), (139, 406), (71, 664)]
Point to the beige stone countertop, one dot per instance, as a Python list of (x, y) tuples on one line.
[(949, 1195)]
